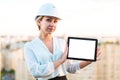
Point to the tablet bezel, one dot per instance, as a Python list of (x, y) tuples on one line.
[(81, 38)]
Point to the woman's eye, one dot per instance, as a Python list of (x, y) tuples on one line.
[(55, 21), (49, 20)]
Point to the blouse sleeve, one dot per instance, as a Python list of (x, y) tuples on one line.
[(35, 68), (72, 67)]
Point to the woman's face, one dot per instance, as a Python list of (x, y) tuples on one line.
[(48, 24)]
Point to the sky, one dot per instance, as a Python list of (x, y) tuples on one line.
[(79, 17)]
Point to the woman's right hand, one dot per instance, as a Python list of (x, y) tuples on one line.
[(62, 59), (64, 55)]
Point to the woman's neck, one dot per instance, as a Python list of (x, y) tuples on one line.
[(45, 37)]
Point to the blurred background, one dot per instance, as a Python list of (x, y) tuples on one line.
[(82, 18)]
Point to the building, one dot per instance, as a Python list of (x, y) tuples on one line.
[(105, 69)]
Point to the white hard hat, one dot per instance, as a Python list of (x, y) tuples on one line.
[(48, 9)]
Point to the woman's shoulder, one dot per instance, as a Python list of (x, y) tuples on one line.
[(29, 43)]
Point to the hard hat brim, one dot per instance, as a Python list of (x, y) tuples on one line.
[(48, 15)]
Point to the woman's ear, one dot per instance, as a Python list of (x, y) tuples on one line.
[(38, 21)]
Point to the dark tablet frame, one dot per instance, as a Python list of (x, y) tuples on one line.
[(87, 39)]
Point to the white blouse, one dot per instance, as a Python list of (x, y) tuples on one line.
[(40, 60)]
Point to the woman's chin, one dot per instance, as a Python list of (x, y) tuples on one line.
[(51, 31)]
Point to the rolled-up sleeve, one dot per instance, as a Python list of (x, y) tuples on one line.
[(72, 67), (35, 68)]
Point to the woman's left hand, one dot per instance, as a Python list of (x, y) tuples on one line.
[(98, 53)]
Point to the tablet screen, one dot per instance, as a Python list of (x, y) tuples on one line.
[(82, 48)]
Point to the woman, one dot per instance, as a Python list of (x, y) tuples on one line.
[(46, 55)]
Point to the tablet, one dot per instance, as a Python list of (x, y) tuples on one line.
[(80, 48)]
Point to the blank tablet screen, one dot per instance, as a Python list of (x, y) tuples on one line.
[(82, 48)]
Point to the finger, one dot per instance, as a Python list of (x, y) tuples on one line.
[(98, 54), (66, 49), (98, 51), (98, 58)]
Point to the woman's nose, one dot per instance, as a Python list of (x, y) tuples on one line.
[(52, 23)]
